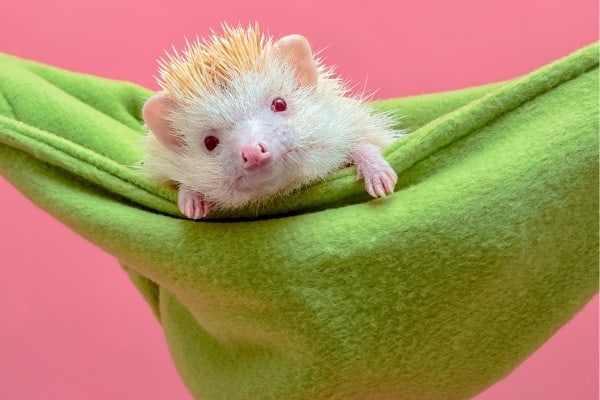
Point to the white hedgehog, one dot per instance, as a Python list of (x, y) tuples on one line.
[(242, 118)]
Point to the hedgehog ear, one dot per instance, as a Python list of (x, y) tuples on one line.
[(296, 49), (156, 116)]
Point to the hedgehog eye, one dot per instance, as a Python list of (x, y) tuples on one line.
[(278, 105), (210, 142)]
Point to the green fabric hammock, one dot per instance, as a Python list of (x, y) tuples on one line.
[(487, 247)]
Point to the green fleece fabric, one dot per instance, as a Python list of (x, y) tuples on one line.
[(487, 247)]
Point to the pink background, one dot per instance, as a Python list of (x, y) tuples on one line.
[(72, 325)]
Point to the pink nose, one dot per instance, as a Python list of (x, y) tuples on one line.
[(254, 155)]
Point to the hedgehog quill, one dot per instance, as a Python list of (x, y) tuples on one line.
[(242, 118)]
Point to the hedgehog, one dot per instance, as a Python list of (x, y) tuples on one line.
[(242, 118)]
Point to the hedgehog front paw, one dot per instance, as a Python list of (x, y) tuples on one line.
[(192, 204), (379, 181), (380, 178)]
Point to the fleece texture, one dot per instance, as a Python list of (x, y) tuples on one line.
[(487, 247)]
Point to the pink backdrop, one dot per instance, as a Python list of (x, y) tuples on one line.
[(72, 325)]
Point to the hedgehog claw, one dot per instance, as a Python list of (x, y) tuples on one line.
[(380, 178), (192, 204)]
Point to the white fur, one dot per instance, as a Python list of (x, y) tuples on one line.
[(314, 137)]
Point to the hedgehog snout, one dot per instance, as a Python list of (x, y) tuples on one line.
[(254, 155)]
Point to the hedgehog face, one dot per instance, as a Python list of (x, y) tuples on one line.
[(246, 135)]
